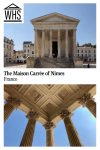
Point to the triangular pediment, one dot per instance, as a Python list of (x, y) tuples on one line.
[(54, 17)]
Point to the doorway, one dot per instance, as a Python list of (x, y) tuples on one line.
[(54, 49)]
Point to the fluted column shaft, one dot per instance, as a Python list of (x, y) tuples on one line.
[(9, 107), (70, 129), (50, 43), (36, 44), (43, 42), (49, 133), (87, 100), (49, 137), (28, 134), (72, 133), (91, 105), (59, 50), (66, 43), (35, 53), (74, 43), (27, 138)]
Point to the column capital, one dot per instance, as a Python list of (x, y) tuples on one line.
[(85, 98), (32, 115), (14, 101), (65, 113), (49, 125)]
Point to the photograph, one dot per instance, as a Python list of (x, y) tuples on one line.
[(52, 115), (54, 35)]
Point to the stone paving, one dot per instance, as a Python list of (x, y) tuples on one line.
[(15, 65)]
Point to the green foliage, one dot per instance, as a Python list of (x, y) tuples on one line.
[(89, 45)]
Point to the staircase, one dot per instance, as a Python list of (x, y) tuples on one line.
[(53, 63)]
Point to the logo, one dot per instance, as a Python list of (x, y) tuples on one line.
[(13, 13)]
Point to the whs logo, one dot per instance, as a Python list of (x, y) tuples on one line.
[(13, 13)]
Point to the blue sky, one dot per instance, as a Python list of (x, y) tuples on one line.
[(86, 30), (83, 120)]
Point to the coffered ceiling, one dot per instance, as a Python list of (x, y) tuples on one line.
[(48, 99)]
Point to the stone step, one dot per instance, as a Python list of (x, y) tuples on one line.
[(58, 60), (53, 63), (61, 63)]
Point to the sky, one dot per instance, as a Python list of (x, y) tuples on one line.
[(83, 120), (86, 30)]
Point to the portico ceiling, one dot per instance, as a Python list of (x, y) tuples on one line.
[(48, 100)]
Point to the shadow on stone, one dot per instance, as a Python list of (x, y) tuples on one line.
[(37, 63)]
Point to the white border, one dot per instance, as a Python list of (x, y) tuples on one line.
[(74, 76)]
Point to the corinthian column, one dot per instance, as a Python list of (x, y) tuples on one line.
[(66, 43), (9, 107), (27, 138), (49, 133), (70, 129), (50, 55), (74, 43), (87, 100), (43, 43), (36, 52), (59, 50)]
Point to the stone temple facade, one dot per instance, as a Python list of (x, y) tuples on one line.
[(55, 36)]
